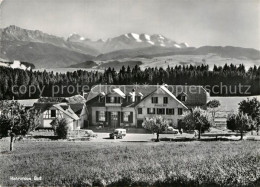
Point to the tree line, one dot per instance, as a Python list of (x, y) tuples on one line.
[(227, 80)]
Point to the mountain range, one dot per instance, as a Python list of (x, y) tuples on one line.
[(126, 41), (49, 51)]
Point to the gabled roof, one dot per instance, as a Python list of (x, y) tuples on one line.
[(43, 106), (76, 99), (77, 108), (64, 107), (196, 95), (170, 94), (68, 110)]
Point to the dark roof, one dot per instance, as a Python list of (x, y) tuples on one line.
[(43, 106), (27, 102), (76, 99), (196, 95), (77, 108), (52, 99)]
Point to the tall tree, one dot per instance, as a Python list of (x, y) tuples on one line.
[(15, 121), (156, 125), (198, 119), (240, 122), (251, 107)]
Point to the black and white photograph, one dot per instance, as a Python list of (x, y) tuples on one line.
[(120, 93)]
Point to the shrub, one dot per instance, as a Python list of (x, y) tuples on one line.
[(62, 128)]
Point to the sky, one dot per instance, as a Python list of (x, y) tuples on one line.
[(197, 22)]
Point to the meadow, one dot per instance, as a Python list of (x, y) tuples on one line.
[(197, 163)]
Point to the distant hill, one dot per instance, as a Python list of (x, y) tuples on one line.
[(42, 55), (147, 52), (117, 65), (150, 52), (87, 64), (229, 51)]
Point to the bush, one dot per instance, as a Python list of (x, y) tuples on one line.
[(4, 127), (62, 128)]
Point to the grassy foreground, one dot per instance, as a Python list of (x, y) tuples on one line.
[(136, 164)]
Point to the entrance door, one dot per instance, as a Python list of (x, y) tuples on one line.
[(114, 119), (139, 123)]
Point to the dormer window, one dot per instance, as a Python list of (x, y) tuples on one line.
[(101, 99), (112, 99), (137, 98), (182, 97)]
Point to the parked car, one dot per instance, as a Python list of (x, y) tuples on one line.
[(118, 134), (171, 130)]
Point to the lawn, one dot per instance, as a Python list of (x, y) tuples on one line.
[(215, 163)]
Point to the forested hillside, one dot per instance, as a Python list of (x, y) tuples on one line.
[(229, 80)]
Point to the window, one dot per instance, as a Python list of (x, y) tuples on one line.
[(160, 110), (170, 111), (180, 111), (154, 99), (102, 116), (165, 100), (101, 99), (150, 111), (137, 98), (140, 111), (112, 99), (53, 113), (126, 116), (128, 98), (183, 98)]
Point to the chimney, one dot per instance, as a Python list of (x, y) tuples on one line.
[(133, 95)]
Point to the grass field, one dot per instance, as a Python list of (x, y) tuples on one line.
[(232, 163), (230, 104)]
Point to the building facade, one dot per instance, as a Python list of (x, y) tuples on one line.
[(129, 105), (50, 111)]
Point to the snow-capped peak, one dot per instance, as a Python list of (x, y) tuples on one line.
[(135, 36)]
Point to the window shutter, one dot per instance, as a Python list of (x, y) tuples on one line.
[(118, 118), (157, 110), (167, 111), (130, 119), (109, 118), (122, 117), (148, 111), (97, 114), (106, 116)]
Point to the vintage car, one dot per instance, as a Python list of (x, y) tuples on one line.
[(171, 130), (118, 134)]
